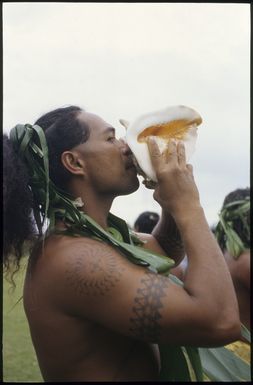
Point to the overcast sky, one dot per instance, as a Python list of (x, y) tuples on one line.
[(121, 60)]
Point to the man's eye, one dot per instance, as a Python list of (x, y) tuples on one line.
[(111, 139)]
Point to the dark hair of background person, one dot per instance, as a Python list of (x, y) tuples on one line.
[(63, 131), (146, 222), (238, 225)]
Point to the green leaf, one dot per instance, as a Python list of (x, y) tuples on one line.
[(220, 364), (116, 234), (246, 333), (242, 203), (159, 263), (234, 244), (195, 361), (174, 365), (225, 231), (176, 280), (191, 355), (121, 225)]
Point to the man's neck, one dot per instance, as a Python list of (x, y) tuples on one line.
[(97, 208), (96, 205)]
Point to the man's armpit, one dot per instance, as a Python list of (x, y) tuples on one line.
[(95, 271), (148, 303)]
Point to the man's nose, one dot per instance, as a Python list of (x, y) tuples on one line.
[(125, 148)]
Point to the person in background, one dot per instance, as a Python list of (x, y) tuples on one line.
[(146, 221), (233, 235)]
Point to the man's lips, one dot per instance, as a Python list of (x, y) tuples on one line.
[(130, 164)]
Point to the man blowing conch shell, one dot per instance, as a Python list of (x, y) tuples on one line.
[(94, 315)]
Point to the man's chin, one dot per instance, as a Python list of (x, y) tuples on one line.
[(132, 187)]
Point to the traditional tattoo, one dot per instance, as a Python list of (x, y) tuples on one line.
[(94, 272), (169, 238), (145, 323)]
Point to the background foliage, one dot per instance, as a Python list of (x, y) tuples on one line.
[(19, 359)]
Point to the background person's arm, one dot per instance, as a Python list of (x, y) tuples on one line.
[(240, 268)]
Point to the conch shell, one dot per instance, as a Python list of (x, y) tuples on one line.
[(175, 122)]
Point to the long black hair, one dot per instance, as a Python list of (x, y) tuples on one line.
[(63, 131)]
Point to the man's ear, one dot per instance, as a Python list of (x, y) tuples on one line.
[(73, 162)]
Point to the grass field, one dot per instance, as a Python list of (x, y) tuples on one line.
[(19, 359)]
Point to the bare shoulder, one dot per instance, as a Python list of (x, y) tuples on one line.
[(92, 255), (92, 267), (243, 269), (86, 267), (240, 268)]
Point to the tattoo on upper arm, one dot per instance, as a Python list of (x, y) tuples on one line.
[(95, 271), (145, 323)]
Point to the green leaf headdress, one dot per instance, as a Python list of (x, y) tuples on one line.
[(225, 231)]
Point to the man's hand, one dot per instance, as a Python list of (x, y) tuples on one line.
[(176, 190)]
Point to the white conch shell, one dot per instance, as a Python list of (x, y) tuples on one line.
[(175, 122), (125, 123)]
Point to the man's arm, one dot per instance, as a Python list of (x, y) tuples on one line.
[(168, 236), (165, 238), (177, 194), (92, 281)]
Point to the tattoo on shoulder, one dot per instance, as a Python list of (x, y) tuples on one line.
[(94, 271), (145, 323)]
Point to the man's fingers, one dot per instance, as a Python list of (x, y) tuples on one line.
[(171, 150), (181, 154), (190, 168), (169, 156), (154, 151)]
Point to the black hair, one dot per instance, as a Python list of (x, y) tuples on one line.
[(238, 222), (236, 195), (63, 131), (146, 222), (17, 206)]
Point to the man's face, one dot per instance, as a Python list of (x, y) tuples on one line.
[(108, 161)]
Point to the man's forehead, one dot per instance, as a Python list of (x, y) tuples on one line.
[(94, 121)]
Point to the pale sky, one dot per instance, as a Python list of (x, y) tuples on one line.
[(121, 60)]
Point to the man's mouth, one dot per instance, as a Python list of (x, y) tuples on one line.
[(130, 164)]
